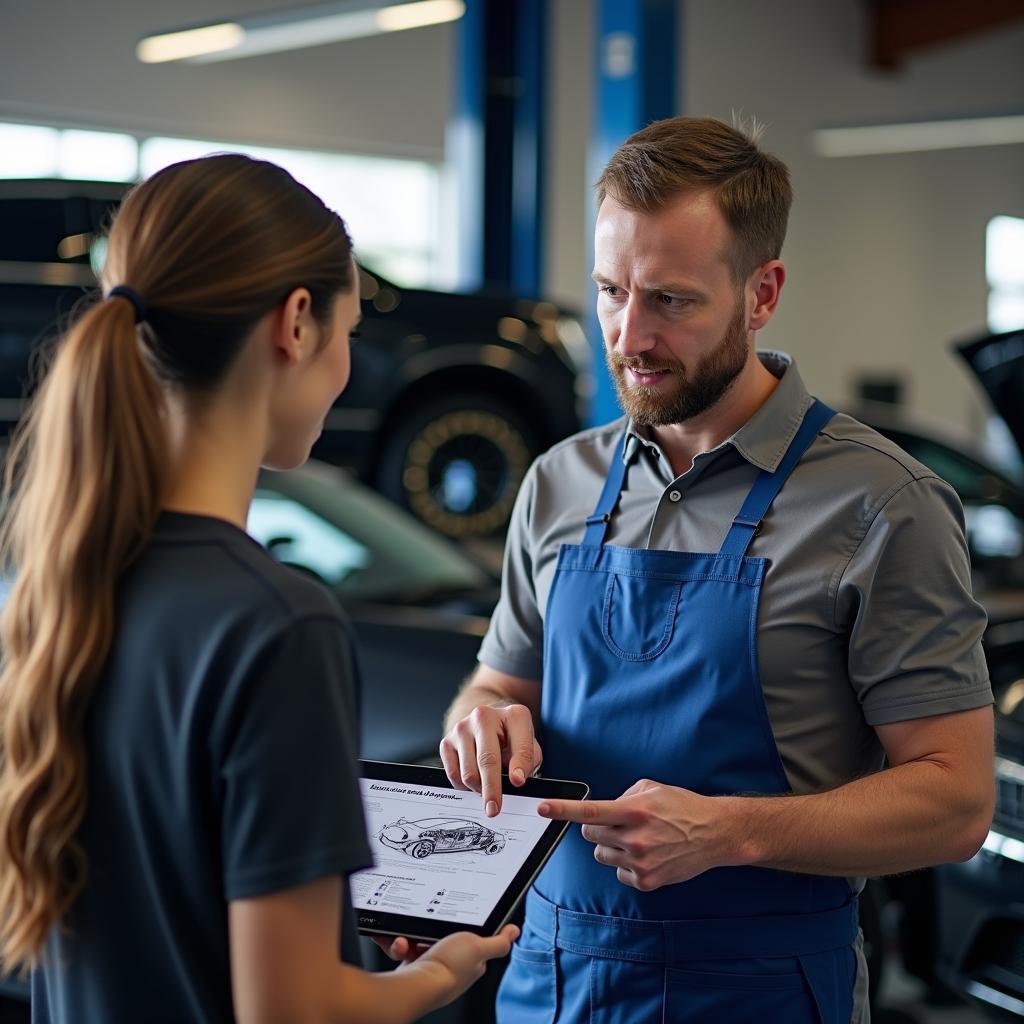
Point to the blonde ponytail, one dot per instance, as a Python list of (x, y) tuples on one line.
[(205, 248), (84, 484)]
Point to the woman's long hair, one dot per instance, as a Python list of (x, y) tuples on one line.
[(210, 246)]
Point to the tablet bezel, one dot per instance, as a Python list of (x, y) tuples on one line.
[(424, 929)]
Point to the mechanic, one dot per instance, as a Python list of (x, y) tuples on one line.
[(744, 619)]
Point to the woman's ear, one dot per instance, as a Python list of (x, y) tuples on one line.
[(295, 327)]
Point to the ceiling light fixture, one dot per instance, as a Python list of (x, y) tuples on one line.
[(294, 29), (190, 43), (918, 136)]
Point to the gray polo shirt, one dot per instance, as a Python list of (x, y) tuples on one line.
[(866, 614)]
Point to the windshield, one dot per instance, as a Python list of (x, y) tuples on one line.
[(321, 520)]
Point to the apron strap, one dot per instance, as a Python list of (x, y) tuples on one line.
[(597, 523), (767, 485)]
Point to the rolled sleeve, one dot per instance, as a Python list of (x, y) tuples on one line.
[(905, 596)]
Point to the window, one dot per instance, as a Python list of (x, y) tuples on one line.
[(392, 206), (1004, 268), (38, 151)]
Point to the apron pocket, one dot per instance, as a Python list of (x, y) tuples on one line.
[(529, 988), (695, 997), (626, 992), (639, 615), (832, 977)]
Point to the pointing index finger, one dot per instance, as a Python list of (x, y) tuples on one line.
[(586, 812), (488, 759)]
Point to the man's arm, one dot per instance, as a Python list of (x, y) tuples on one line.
[(490, 725), (933, 804)]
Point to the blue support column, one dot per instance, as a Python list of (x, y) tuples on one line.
[(527, 215), (636, 83), (496, 142)]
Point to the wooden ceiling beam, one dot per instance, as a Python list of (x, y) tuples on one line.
[(899, 27)]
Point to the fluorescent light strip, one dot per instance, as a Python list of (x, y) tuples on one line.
[(295, 29), (920, 136), (190, 43), (418, 15), (297, 35)]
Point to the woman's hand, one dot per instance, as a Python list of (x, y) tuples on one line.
[(400, 949), (460, 959)]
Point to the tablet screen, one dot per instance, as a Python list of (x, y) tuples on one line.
[(439, 859)]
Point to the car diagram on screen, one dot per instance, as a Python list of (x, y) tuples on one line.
[(427, 836)]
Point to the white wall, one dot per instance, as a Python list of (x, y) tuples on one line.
[(72, 62), (886, 254)]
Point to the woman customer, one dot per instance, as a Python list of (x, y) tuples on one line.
[(179, 805)]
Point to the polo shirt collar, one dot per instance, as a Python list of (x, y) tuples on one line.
[(764, 438)]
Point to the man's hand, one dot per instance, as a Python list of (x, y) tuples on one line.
[(488, 739), (653, 835)]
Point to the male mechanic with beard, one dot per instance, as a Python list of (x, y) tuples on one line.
[(745, 619)]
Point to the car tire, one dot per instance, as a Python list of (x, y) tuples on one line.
[(457, 462), (494, 848), (421, 849)]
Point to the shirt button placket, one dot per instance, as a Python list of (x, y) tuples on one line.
[(675, 496)]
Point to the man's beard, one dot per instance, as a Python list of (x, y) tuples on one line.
[(693, 393)]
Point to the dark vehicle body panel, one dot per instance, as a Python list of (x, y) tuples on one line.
[(519, 359)]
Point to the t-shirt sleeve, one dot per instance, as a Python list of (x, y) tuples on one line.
[(905, 597), (514, 642), (291, 810)]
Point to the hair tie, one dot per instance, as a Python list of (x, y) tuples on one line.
[(123, 291)]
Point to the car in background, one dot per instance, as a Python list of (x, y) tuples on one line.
[(451, 396), (936, 920), (964, 923), (420, 605), (981, 901)]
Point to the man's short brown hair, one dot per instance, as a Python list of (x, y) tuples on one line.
[(681, 154)]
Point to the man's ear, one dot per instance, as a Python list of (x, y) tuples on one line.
[(294, 330), (767, 282)]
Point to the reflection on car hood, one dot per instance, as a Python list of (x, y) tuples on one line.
[(997, 361)]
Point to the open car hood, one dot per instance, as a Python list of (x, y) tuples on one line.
[(997, 361)]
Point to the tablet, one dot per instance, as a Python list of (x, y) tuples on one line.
[(440, 864)]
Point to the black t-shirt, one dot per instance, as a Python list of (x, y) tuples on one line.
[(221, 765)]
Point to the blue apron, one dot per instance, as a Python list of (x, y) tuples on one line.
[(651, 671)]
